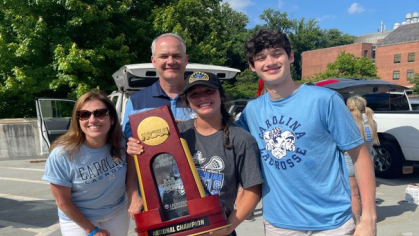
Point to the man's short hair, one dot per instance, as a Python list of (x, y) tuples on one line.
[(266, 39), (176, 36)]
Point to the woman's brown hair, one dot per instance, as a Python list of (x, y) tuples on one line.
[(74, 138)]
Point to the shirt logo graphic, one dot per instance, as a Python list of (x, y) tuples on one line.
[(198, 158), (211, 173), (215, 164), (279, 142)]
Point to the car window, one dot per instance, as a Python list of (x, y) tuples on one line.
[(387, 102), (378, 102), (414, 102), (398, 102), (56, 108)]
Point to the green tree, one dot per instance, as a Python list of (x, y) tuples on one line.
[(415, 82), (211, 29), (64, 48), (334, 37), (347, 65), (305, 36), (244, 86), (277, 20)]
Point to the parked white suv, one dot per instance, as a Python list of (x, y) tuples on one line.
[(131, 78)]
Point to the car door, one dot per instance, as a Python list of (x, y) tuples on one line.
[(54, 118), (116, 98)]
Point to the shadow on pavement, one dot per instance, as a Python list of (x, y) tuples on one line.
[(384, 212), (34, 214)]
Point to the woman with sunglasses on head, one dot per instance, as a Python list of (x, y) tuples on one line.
[(87, 169), (225, 155)]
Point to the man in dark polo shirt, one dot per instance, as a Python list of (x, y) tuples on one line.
[(170, 59)]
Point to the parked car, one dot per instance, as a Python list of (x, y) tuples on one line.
[(235, 107), (54, 115), (397, 124), (134, 77)]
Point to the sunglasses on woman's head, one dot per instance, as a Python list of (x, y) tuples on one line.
[(98, 113)]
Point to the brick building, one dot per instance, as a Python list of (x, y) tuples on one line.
[(395, 53)]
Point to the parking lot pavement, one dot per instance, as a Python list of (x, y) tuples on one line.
[(27, 207)]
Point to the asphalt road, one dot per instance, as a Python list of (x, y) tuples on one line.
[(27, 207)]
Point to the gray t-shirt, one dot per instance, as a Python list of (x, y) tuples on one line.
[(222, 170)]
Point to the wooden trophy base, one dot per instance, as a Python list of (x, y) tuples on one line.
[(206, 215)]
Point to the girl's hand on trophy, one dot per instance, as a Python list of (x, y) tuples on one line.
[(134, 147), (135, 206)]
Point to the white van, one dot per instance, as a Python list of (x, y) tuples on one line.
[(54, 115)]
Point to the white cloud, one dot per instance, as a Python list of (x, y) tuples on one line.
[(325, 17), (239, 5), (355, 8)]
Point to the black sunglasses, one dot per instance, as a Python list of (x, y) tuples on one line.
[(98, 113)]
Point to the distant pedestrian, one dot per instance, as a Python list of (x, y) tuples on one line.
[(364, 119)]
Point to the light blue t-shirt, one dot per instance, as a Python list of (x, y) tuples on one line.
[(97, 182), (300, 139)]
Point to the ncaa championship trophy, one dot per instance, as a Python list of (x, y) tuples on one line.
[(174, 198)]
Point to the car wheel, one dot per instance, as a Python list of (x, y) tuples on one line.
[(387, 161)]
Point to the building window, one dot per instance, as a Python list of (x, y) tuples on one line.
[(396, 75), (411, 57), (365, 53), (410, 75), (397, 58)]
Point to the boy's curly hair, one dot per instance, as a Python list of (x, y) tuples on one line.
[(266, 39)]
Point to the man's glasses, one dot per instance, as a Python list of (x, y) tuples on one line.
[(85, 115)]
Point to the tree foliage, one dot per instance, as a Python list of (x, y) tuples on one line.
[(349, 66), (64, 48), (57, 48), (415, 82), (210, 29), (245, 86)]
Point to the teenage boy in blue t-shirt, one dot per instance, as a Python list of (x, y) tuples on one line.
[(302, 132)]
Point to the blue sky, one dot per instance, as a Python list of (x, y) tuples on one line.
[(351, 17)]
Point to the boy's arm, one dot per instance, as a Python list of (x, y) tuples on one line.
[(364, 173)]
